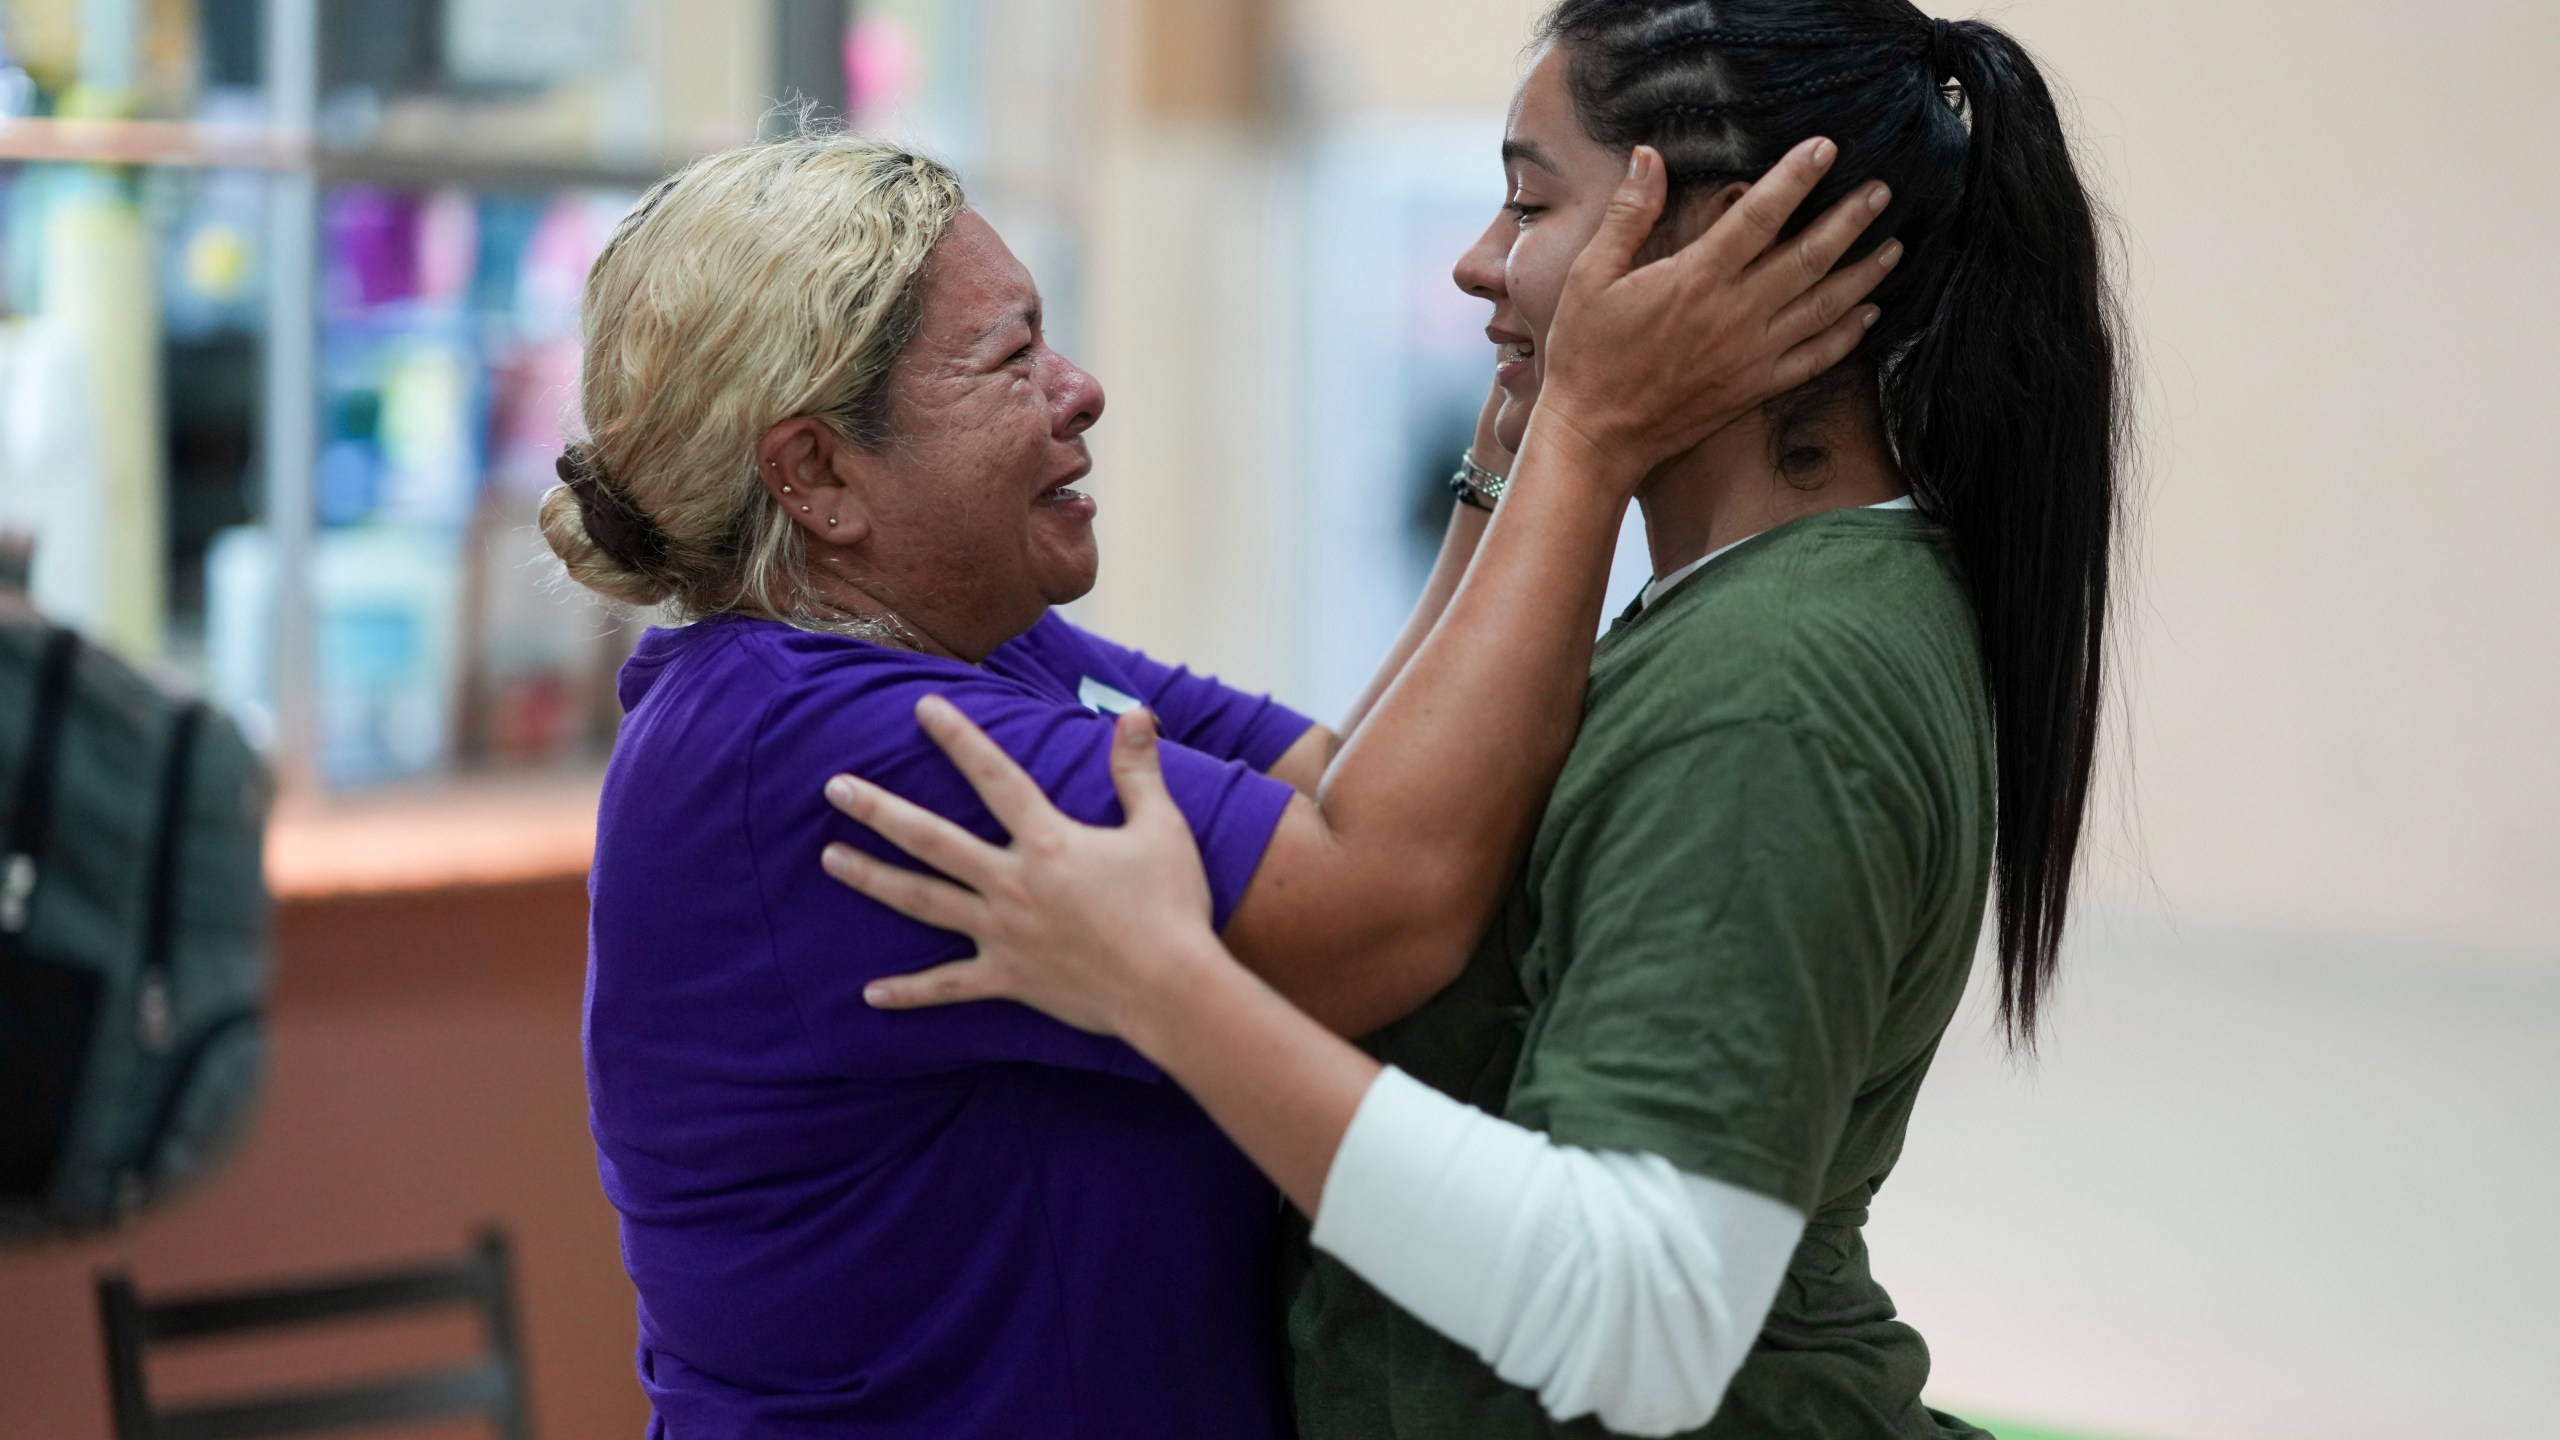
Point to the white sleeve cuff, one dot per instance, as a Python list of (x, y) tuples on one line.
[(1612, 1284)]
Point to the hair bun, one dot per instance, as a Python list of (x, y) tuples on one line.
[(620, 527)]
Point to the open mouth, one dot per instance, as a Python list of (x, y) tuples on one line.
[(1063, 492), (1513, 352)]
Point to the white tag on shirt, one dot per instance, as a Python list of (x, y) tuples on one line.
[(1101, 699)]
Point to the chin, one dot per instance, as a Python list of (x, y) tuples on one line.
[(1070, 578)]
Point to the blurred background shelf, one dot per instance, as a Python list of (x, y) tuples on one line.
[(492, 175), (153, 142)]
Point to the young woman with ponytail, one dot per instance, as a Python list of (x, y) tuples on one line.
[(1616, 1175)]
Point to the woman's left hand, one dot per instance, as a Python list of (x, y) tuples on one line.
[(1078, 921)]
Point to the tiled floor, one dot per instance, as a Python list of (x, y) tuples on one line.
[(2258, 1188)]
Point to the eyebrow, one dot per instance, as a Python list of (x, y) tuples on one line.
[(1524, 151), (1028, 315)]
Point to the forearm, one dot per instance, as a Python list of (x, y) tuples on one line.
[(1457, 547), (1369, 904), (1282, 1086), (1467, 737)]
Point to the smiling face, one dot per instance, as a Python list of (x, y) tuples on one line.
[(1558, 181), (969, 526)]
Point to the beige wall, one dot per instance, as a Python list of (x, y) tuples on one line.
[(2344, 637), (1375, 56), (2347, 640)]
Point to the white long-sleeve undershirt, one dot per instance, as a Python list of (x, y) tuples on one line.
[(1611, 1284)]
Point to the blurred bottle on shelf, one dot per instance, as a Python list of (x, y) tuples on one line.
[(100, 293), (53, 468), (17, 87), (448, 367)]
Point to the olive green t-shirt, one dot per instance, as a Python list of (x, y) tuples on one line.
[(1745, 921)]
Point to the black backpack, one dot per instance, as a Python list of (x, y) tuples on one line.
[(135, 935)]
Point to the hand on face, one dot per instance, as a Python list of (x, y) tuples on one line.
[(1079, 922), (1648, 361)]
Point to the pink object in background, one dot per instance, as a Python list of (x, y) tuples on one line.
[(554, 270), (882, 67), (533, 392), (448, 247)]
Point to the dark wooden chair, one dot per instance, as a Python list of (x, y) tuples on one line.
[(491, 1387)]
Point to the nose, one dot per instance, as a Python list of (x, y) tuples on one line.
[(1479, 271), (1078, 399)]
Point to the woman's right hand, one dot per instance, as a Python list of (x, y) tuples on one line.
[(1084, 923), (1645, 361)]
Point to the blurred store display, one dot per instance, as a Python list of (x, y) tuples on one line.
[(376, 604), (448, 366), (288, 317)]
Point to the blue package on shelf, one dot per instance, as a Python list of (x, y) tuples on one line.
[(387, 600)]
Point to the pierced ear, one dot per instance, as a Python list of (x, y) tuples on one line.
[(800, 462)]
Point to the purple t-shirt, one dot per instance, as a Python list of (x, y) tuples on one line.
[(845, 1222)]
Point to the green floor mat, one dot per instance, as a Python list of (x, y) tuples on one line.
[(2008, 1431)]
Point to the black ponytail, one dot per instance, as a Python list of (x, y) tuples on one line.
[(1997, 362), (2008, 412)]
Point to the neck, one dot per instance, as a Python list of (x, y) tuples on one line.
[(868, 613), (1730, 487)]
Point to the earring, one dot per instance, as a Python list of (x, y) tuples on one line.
[(831, 522), (804, 509), (786, 489)]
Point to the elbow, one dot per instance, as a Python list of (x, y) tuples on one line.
[(1359, 940), (1420, 953)]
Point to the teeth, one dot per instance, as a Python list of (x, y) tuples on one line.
[(1064, 492), (1515, 351)]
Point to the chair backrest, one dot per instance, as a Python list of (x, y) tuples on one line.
[(491, 1387)]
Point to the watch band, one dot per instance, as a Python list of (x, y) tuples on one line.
[(1475, 485)]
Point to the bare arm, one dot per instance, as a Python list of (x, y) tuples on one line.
[(1302, 767), (1371, 893), (1457, 547)]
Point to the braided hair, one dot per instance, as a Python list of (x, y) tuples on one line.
[(1997, 363)]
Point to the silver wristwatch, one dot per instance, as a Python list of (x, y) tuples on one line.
[(1475, 485)]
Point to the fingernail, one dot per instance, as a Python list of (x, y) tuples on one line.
[(1868, 320), (841, 790), (1890, 255), (1879, 197), (835, 856), (1823, 151), (875, 995)]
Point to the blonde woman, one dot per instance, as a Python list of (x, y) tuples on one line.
[(827, 437)]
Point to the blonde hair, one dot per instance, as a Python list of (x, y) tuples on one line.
[(754, 285)]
